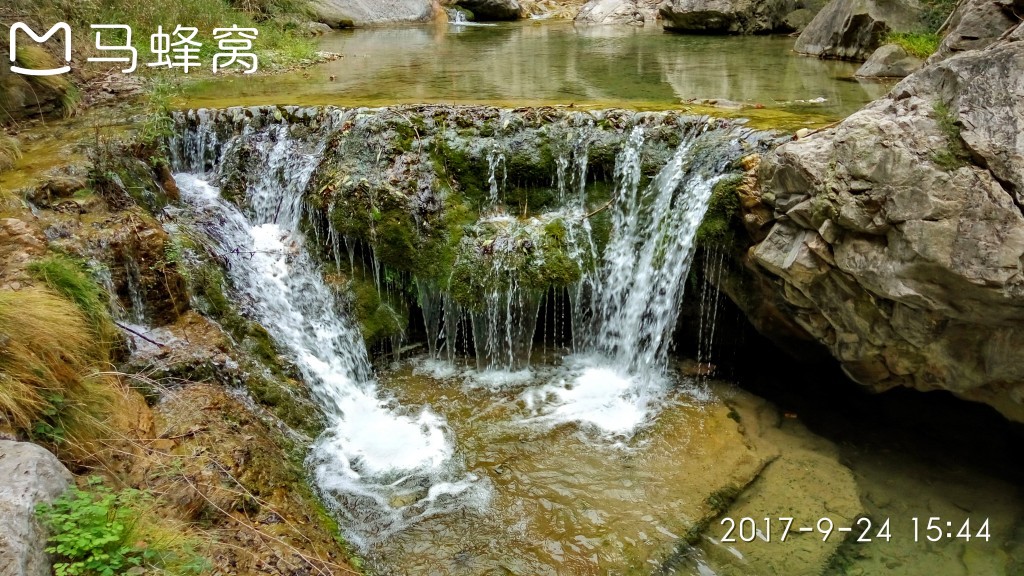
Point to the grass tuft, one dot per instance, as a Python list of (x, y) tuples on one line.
[(71, 279), (920, 45), (955, 156), (51, 387)]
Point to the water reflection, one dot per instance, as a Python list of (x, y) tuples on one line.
[(554, 62)]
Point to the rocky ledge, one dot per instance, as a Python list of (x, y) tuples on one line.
[(896, 238)]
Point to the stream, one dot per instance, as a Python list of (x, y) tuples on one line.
[(597, 453)]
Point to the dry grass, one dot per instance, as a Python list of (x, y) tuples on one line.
[(10, 152), (50, 382)]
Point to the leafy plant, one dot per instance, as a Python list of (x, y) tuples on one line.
[(98, 532)]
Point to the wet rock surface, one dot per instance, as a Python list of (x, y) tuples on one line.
[(31, 476)]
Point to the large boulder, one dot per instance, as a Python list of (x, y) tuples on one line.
[(853, 29), (634, 12), (898, 240), (725, 16), (492, 9), (31, 476), (976, 24), (890, 61), (346, 13)]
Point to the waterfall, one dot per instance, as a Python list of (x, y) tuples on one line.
[(379, 467), (620, 375)]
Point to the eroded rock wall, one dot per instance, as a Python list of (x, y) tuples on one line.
[(898, 235)]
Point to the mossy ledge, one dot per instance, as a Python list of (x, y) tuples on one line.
[(466, 200)]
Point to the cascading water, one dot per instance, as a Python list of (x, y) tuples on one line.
[(635, 295), (381, 467)]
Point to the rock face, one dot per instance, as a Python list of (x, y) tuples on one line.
[(725, 16), (976, 24), (899, 235), (346, 13), (890, 61), (634, 12), (31, 476), (853, 29), (492, 9)]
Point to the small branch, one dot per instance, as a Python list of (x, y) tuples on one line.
[(601, 209), (143, 336)]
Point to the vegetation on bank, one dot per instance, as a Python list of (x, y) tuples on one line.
[(98, 532), (52, 383), (283, 38), (917, 44)]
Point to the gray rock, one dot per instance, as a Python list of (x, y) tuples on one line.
[(492, 9), (633, 12), (853, 29), (976, 24), (31, 476), (347, 13), (725, 16), (909, 268), (890, 61)]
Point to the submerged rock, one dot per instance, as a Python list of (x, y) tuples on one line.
[(726, 16), (31, 476), (853, 29), (899, 234), (890, 61), (348, 13)]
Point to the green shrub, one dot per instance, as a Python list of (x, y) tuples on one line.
[(102, 533)]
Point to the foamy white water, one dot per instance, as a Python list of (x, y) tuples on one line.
[(382, 466)]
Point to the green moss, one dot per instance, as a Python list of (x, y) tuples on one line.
[(723, 221), (955, 156), (379, 320)]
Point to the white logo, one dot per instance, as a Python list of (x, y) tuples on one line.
[(58, 27), (126, 47)]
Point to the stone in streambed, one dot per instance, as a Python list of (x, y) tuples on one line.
[(485, 10), (890, 61), (348, 13), (725, 16), (853, 29), (632, 12)]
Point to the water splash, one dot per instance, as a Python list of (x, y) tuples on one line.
[(380, 467)]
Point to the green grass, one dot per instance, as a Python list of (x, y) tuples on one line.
[(281, 41), (921, 45), (70, 279)]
